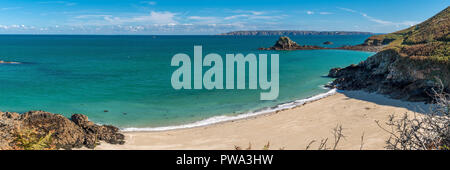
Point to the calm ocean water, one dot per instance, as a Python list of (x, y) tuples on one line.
[(129, 76)]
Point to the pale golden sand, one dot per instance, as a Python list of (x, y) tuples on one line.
[(290, 129)]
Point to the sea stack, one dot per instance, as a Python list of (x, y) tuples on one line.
[(285, 43)]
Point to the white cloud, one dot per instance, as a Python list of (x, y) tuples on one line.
[(9, 8), (149, 2), (154, 17), (252, 17), (236, 16), (309, 12), (201, 18), (91, 16), (348, 10), (325, 13), (59, 2), (380, 21), (249, 12)]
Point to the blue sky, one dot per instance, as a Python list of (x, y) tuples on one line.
[(210, 16)]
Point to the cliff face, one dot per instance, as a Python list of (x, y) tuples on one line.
[(411, 62), (293, 33)]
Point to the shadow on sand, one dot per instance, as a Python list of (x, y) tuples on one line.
[(418, 107)]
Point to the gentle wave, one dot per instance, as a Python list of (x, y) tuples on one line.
[(224, 118)]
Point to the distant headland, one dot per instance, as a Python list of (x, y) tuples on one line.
[(293, 33)]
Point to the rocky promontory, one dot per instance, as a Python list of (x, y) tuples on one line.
[(63, 133), (292, 33), (285, 43), (411, 63)]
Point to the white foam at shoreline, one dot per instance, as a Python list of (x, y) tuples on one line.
[(224, 118)]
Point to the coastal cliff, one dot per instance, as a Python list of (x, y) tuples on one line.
[(410, 63), (293, 33), (44, 130)]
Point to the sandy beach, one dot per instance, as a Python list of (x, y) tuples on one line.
[(294, 128)]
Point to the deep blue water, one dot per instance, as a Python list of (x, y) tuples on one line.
[(129, 76)]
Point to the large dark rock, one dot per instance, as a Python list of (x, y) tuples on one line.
[(107, 133), (66, 133), (285, 43)]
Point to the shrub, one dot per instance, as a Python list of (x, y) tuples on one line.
[(422, 132), (30, 139)]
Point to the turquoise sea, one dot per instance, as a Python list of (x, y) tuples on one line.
[(126, 80)]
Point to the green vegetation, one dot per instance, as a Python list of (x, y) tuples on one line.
[(30, 139), (426, 41), (423, 49)]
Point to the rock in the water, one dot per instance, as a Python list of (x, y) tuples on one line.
[(328, 43), (67, 133), (8, 62), (285, 43)]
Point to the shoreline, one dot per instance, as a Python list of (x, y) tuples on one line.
[(292, 128), (227, 118)]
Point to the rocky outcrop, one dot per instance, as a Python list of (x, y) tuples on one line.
[(387, 72), (66, 133), (374, 41), (412, 62), (362, 47), (293, 33), (285, 43)]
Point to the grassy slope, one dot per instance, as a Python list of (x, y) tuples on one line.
[(426, 41), (423, 47)]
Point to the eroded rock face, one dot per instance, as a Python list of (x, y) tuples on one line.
[(285, 43), (107, 133), (67, 133), (377, 42), (388, 73), (8, 126)]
